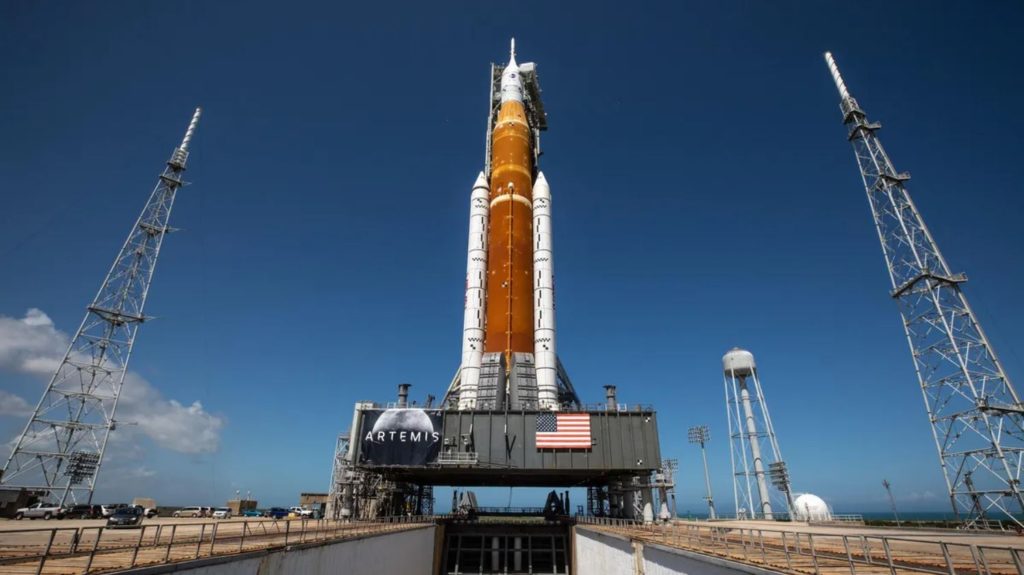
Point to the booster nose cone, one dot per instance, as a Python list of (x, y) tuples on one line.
[(481, 181), (511, 84)]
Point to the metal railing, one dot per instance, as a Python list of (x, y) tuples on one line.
[(782, 516), (510, 510), (458, 458), (618, 408), (87, 549), (817, 552), (845, 518)]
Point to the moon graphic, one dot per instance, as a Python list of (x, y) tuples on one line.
[(404, 420)]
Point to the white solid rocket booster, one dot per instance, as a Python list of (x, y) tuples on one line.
[(475, 312), (544, 297)]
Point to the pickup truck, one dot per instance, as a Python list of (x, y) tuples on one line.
[(300, 512), (44, 510), (276, 513)]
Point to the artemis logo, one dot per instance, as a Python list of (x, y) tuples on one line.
[(403, 426), (402, 436)]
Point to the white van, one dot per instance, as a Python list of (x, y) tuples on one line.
[(188, 512)]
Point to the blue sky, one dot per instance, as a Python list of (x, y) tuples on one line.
[(704, 197)]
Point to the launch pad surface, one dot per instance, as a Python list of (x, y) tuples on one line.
[(572, 545), (801, 549)]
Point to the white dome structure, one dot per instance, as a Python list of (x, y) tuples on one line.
[(810, 507)]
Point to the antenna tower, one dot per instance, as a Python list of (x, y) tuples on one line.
[(60, 451), (975, 413)]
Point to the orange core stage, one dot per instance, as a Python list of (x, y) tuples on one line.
[(510, 245)]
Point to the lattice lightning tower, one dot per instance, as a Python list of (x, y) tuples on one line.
[(62, 446), (975, 413)]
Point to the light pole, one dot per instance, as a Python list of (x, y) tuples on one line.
[(887, 486), (700, 434)]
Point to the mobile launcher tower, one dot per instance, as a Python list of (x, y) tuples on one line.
[(510, 416)]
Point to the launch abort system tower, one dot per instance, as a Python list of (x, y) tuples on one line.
[(511, 416)]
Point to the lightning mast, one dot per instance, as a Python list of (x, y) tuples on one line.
[(976, 416), (62, 446)]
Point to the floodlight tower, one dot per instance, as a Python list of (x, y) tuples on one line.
[(701, 435), (976, 416), (61, 448), (753, 449)]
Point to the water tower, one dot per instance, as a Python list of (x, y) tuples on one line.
[(756, 460)]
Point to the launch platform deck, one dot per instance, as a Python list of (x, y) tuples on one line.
[(751, 546), (802, 549), (86, 546)]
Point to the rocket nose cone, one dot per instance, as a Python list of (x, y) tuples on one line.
[(511, 84), (540, 187), (481, 181)]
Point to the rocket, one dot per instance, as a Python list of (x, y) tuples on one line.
[(509, 306)]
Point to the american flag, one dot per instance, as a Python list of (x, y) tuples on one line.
[(563, 431)]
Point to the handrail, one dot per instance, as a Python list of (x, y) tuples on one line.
[(75, 549), (778, 549)]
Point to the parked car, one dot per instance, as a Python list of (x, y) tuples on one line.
[(84, 512), (222, 513), (110, 508), (301, 511), (44, 510), (252, 513), (189, 512), (125, 517), (276, 512)]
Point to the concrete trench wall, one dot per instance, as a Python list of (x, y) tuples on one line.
[(405, 552), (413, 552), (599, 553)]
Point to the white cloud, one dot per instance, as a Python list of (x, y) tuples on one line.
[(140, 473), (33, 345), (182, 428), (11, 404)]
